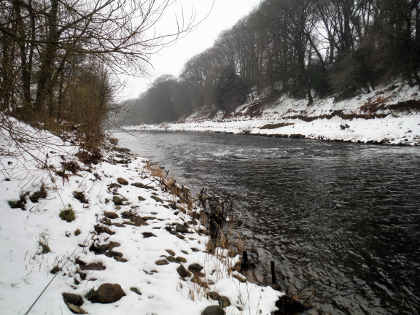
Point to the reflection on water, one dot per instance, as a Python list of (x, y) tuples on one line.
[(339, 220)]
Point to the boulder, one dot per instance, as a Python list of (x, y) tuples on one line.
[(74, 299), (122, 181), (183, 272), (213, 310), (181, 228), (103, 229), (170, 252), (111, 215), (106, 293), (195, 268)]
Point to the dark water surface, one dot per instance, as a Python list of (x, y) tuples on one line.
[(341, 221)]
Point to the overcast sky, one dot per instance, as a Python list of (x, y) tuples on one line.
[(170, 60)]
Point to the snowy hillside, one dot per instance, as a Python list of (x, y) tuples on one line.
[(389, 115)]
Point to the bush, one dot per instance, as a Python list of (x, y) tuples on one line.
[(68, 214)]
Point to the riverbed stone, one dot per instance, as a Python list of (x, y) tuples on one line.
[(162, 262), (103, 229), (135, 290), (111, 215), (93, 266), (75, 309), (180, 259), (170, 252), (183, 272), (72, 298), (195, 268), (122, 181), (106, 293), (213, 310), (181, 228), (148, 234)]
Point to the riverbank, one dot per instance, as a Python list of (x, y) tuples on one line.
[(110, 233), (388, 115)]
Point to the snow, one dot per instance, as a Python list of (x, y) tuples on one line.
[(398, 127), (25, 271)]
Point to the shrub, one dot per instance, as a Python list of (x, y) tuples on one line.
[(68, 214)]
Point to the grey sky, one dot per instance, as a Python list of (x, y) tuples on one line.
[(171, 60)]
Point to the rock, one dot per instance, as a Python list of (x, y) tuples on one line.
[(118, 201), (103, 229), (183, 272), (106, 221), (74, 299), (113, 254), (106, 293), (156, 198), (103, 248), (113, 186), (138, 221), (80, 262), (121, 259), (195, 249), (75, 309), (181, 228), (122, 181), (135, 290), (213, 295), (170, 252), (180, 259), (111, 215), (82, 275), (93, 266), (77, 232), (134, 218), (148, 234), (171, 259), (223, 300), (140, 185), (162, 262), (79, 195), (195, 268), (288, 305), (213, 310), (141, 198)]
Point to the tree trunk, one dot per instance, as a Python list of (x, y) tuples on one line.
[(48, 57)]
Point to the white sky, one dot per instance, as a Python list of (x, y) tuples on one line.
[(171, 60)]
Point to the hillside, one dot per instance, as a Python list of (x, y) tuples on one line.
[(388, 115)]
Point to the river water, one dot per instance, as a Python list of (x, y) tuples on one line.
[(341, 221)]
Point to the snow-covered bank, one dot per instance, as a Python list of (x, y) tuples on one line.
[(125, 231), (390, 115)]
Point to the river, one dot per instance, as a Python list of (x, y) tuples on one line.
[(341, 221)]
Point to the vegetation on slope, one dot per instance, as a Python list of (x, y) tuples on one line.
[(303, 48)]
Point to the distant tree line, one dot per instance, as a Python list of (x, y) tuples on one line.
[(57, 56), (304, 48)]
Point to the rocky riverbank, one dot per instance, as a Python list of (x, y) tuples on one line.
[(109, 232)]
